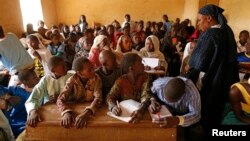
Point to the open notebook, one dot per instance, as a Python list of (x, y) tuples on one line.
[(164, 112), (127, 107), (151, 62)]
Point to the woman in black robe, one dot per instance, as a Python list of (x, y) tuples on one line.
[(214, 58)]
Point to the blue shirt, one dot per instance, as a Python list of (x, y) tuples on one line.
[(188, 106), (54, 50), (243, 57), (17, 116)]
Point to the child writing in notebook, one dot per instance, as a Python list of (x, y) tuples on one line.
[(133, 84), (84, 86), (48, 88)]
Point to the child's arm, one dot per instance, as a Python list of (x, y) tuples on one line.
[(96, 103), (114, 95)]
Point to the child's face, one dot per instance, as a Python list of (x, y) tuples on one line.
[(55, 40), (88, 71), (149, 45), (136, 39), (244, 38), (104, 44), (108, 62), (32, 80), (60, 70), (33, 44), (138, 66), (126, 44)]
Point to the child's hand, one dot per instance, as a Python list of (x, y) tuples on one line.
[(136, 116), (116, 110), (154, 107), (81, 119), (170, 122), (159, 68), (33, 118), (52, 98), (67, 120), (147, 68)]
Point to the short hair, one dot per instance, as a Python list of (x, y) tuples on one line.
[(32, 38), (54, 35), (108, 53), (24, 74), (244, 32), (54, 61), (79, 63), (127, 61), (1, 32), (174, 89)]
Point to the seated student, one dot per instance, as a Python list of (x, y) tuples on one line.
[(56, 48), (241, 44), (48, 88), (124, 46), (100, 43), (245, 56), (133, 84), (41, 29), (108, 72), (15, 97), (238, 111), (69, 51), (40, 55), (84, 86), (183, 100), (152, 50), (137, 42), (85, 43), (13, 56)]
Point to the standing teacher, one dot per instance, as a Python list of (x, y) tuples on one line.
[(214, 63)]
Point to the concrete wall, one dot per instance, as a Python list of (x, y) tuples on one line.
[(105, 11), (10, 16)]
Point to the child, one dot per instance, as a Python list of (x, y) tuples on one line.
[(83, 86), (241, 44), (183, 100), (108, 72), (40, 55), (152, 50), (239, 113), (100, 43), (124, 46), (137, 43), (14, 98), (56, 48), (133, 84), (47, 90)]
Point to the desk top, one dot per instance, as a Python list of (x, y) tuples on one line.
[(50, 115)]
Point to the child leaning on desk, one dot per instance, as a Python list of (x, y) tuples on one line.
[(133, 84)]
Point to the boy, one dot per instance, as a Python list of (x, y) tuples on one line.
[(108, 72), (133, 84), (40, 55), (14, 98), (241, 44), (48, 88), (84, 86), (183, 100)]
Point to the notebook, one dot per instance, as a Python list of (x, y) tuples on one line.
[(151, 62), (127, 107), (164, 112)]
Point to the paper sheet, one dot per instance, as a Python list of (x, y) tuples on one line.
[(151, 62)]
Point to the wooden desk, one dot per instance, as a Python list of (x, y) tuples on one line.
[(99, 128)]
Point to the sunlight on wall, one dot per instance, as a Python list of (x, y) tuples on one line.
[(31, 12)]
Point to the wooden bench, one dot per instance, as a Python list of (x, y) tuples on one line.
[(101, 127)]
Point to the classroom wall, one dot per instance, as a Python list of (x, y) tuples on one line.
[(237, 13), (49, 12), (191, 8), (105, 11), (10, 16)]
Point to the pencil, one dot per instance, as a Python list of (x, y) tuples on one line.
[(117, 104)]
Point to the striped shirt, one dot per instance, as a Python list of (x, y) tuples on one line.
[(187, 108)]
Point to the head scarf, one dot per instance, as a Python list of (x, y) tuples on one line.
[(98, 39), (156, 53), (215, 11)]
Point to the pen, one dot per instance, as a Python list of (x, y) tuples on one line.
[(117, 104)]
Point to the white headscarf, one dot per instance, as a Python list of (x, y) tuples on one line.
[(98, 39), (119, 47), (156, 53)]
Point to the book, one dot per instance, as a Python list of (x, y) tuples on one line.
[(164, 112), (151, 62), (127, 107)]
